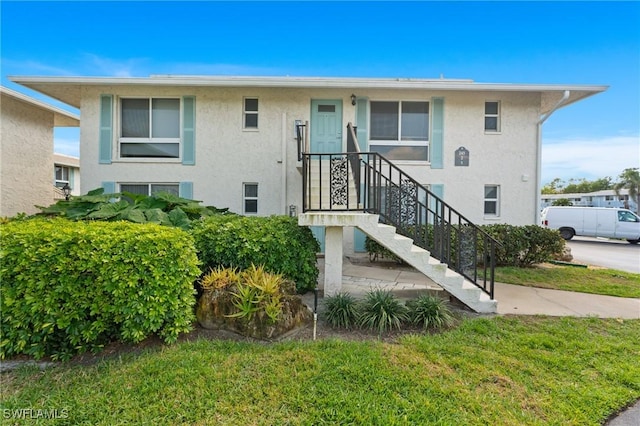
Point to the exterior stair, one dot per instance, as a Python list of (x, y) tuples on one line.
[(452, 282), (339, 194)]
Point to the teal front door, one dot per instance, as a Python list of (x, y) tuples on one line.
[(326, 126), (326, 136)]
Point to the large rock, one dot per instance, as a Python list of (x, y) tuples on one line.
[(215, 307)]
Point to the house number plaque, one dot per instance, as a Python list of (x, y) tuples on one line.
[(462, 156)]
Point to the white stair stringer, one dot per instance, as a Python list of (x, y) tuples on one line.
[(452, 282)]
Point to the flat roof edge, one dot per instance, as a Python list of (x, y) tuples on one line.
[(308, 82)]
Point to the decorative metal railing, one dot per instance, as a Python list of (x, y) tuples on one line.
[(368, 182)]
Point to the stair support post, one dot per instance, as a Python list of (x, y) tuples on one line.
[(332, 260)]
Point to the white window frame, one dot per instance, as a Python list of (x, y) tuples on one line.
[(495, 200), (149, 139), (246, 112), (399, 141), (150, 185), (497, 116), (61, 182), (246, 198)]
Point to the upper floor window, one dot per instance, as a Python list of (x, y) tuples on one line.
[(250, 113), (62, 176), (399, 130), (492, 116), (150, 128), (492, 200)]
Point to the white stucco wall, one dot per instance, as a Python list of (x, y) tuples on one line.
[(26, 157), (227, 156)]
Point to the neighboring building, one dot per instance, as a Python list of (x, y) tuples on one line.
[(604, 198), (26, 151), (66, 171)]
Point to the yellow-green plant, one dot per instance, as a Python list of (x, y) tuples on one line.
[(258, 292), (219, 278)]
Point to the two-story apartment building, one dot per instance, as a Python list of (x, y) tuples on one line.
[(230, 141), (461, 153)]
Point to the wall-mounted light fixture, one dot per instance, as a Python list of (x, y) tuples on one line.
[(353, 99), (66, 190)]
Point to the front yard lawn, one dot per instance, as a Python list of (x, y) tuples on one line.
[(607, 282), (488, 370)]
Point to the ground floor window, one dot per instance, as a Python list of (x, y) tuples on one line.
[(492, 200), (250, 196), (150, 188)]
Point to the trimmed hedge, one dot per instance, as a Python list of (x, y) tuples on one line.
[(524, 246), (521, 246), (276, 242), (68, 287)]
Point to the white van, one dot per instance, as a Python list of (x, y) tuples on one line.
[(593, 222)]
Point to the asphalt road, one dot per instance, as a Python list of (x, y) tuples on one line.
[(614, 254)]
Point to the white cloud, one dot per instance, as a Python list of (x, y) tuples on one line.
[(589, 158)]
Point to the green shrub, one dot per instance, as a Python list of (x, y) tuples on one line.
[(375, 250), (341, 310), (276, 242), (68, 287), (381, 311), (430, 311), (523, 246), (161, 208)]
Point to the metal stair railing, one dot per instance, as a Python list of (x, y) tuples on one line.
[(384, 189)]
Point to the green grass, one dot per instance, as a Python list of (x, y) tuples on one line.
[(585, 280), (498, 371)]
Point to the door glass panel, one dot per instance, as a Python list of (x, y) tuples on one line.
[(326, 108)]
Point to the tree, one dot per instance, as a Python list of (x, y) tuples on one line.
[(630, 179), (581, 186), (553, 187), (562, 202)]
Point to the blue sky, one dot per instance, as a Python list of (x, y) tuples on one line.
[(595, 43)]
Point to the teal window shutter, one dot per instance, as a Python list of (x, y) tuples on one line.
[(109, 187), (186, 190), (71, 182), (437, 133), (362, 115), (436, 189), (106, 129), (189, 130)]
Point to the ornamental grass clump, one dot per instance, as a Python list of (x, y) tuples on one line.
[(341, 310), (382, 311), (430, 311), (219, 278), (258, 292)]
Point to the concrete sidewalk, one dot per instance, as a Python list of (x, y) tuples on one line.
[(359, 276)]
